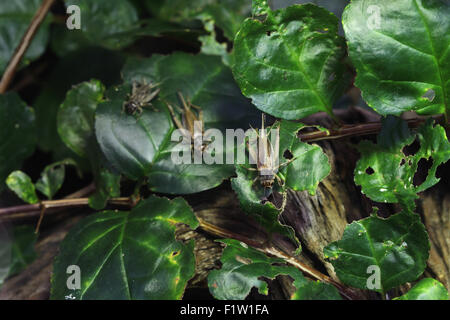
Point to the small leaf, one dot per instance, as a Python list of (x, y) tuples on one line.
[(16, 250), (15, 17), (386, 174), (128, 255), (290, 64), (211, 46), (52, 177), (76, 115), (398, 246), (17, 134), (243, 267), (386, 54), (426, 289), (21, 184), (107, 185)]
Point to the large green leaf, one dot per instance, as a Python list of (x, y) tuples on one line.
[(101, 20), (21, 184), (386, 174), (244, 267), (401, 53), (17, 134), (128, 255), (202, 79), (398, 246), (15, 17), (290, 64), (426, 289), (16, 250)]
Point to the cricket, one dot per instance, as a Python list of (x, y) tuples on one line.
[(267, 159), (141, 96), (191, 120)]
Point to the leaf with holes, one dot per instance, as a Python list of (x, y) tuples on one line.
[(128, 255), (390, 58), (386, 174), (426, 289), (290, 63), (244, 267), (398, 246), (52, 177), (17, 134)]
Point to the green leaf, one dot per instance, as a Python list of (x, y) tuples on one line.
[(16, 250), (310, 164), (128, 255), (398, 245), (386, 54), (386, 174), (426, 289), (202, 79), (101, 64), (76, 115), (107, 185), (250, 195), (290, 64), (21, 184), (243, 267), (101, 20), (211, 46), (17, 134), (15, 17), (227, 14), (52, 177)]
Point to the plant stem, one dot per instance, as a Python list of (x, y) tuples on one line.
[(24, 44), (353, 130)]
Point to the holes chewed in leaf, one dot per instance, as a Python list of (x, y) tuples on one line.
[(370, 171)]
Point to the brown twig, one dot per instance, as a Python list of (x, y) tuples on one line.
[(24, 44), (354, 130)]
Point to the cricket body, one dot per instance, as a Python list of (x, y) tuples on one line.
[(191, 121), (141, 96), (266, 156)]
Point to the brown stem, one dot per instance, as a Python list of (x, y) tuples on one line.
[(33, 209), (353, 130), (24, 44)]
